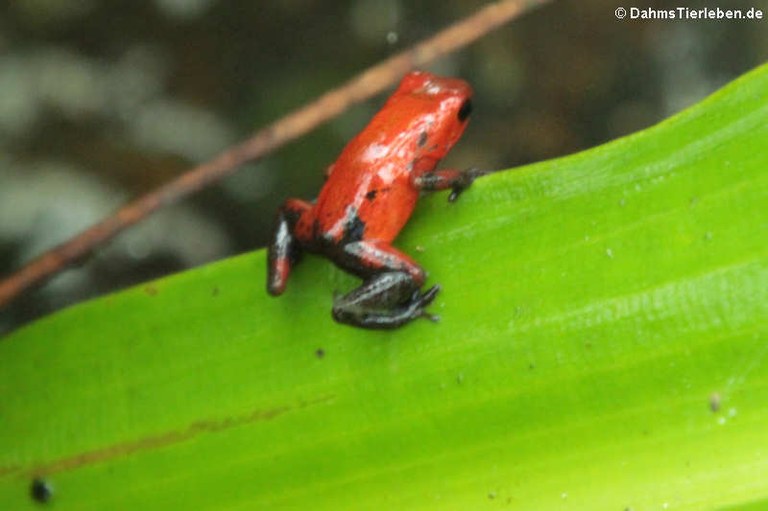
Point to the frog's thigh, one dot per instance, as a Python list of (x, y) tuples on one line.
[(369, 257)]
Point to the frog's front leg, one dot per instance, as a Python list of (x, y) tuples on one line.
[(390, 296), (456, 180)]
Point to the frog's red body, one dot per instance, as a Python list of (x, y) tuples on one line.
[(370, 193)]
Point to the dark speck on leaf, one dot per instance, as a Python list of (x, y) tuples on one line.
[(215, 291), (715, 401), (320, 353), (40, 490)]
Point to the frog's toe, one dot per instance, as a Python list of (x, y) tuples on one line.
[(429, 295), (419, 304)]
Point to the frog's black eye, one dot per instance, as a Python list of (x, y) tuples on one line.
[(465, 110)]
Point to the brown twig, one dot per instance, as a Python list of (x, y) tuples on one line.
[(293, 125)]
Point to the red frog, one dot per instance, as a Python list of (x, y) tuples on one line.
[(370, 193)]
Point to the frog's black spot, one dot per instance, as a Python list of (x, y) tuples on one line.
[(315, 228), (422, 139), (292, 215), (371, 195), (40, 490), (465, 110), (353, 228)]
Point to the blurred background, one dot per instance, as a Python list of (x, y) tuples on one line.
[(103, 100)]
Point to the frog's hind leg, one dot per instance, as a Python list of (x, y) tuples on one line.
[(387, 300), (390, 296), (285, 249)]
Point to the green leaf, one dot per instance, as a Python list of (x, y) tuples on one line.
[(603, 345)]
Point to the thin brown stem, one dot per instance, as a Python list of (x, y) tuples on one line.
[(293, 125)]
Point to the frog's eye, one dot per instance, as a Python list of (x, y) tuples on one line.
[(465, 110)]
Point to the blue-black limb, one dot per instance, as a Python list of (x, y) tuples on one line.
[(285, 250), (384, 301), (456, 180)]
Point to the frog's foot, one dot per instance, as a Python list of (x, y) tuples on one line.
[(455, 180), (420, 300), (387, 300), (464, 181)]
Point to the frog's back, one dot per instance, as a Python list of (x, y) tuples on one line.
[(370, 193)]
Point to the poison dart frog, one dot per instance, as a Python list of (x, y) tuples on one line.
[(369, 194)]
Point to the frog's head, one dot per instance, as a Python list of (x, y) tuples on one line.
[(442, 105)]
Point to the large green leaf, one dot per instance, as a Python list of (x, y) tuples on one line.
[(603, 345)]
